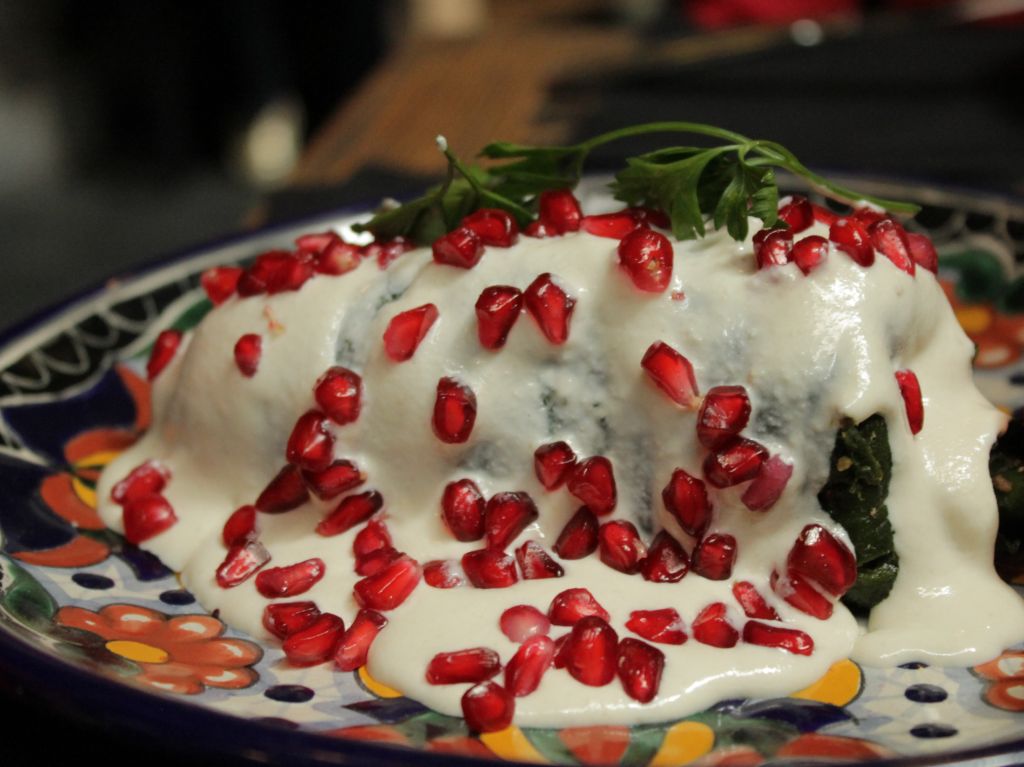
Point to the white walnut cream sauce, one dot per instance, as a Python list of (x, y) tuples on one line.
[(809, 349)]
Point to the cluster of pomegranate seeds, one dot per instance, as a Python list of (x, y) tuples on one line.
[(490, 568), (290, 580), (406, 330), (354, 645), (282, 619), (164, 348), (851, 237), (316, 643), (462, 509), (337, 257), (243, 560), (389, 587), (536, 563), (672, 372), (248, 350), (664, 626), (239, 526), (351, 511), (454, 411), (552, 464), (647, 258), (339, 393), (550, 306), (145, 512), (286, 491), (145, 479), (910, 390), (473, 665), (497, 310), (578, 538), (620, 546)]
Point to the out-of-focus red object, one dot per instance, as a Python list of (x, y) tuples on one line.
[(716, 14)]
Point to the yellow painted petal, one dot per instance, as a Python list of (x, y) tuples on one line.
[(84, 492), (840, 684), (137, 651), (510, 744), (377, 688), (974, 319), (684, 742)]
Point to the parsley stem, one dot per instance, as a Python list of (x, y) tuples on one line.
[(500, 200)]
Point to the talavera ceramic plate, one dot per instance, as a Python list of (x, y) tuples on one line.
[(83, 612)]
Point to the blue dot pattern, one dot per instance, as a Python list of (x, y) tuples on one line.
[(926, 693)]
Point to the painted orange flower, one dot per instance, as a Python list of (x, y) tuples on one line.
[(1006, 680), (181, 653), (999, 337)]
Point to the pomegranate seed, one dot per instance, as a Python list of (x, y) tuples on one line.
[(283, 619), (454, 411), (537, 563), (373, 537), (442, 574), (561, 651), (256, 279), (639, 667), (714, 557), (620, 546), (664, 626), (821, 557), (242, 561), (339, 477), (338, 257), (712, 627), (497, 310), (591, 651), (290, 580), (615, 226), (285, 492), (493, 226), (537, 229), (239, 526), (753, 604), (666, 562), (487, 707), (248, 350), (772, 247), (851, 237), (810, 252), (164, 348), (354, 645), (528, 666), (686, 499), (387, 589), (578, 538), (766, 488), (461, 247), (316, 643), (823, 215), (790, 640), (593, 482), (723, 414), (294, 274), (868, 216), (473, 665), (572, 605), (737, 462), (652, 217), (315, 242), (923, 251), (506, 516), (462, 509), (406, 330), (489, 568), (552, 464), (559, 211), (647, 257), (220, 283), (910, 390), (551, 307), (796, 211), (353, 510), (375, 561), (388, 252), (310, 445), (521, 622), (890, 240), (672, 372), (801, 593), (145, 479), (339, 392), (146, 516)]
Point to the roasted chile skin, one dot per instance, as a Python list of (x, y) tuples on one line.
[(1006, 465)]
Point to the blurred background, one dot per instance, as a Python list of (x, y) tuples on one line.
[(131, 129)]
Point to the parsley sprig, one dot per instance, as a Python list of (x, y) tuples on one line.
[(723, 183)]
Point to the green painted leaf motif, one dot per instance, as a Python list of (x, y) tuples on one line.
[(981, 276), (765, 736), (23, 600), (193, 315), (644, 742), (1012, 300)]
